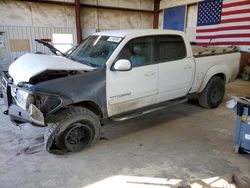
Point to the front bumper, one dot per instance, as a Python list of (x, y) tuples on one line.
[(16, 114)]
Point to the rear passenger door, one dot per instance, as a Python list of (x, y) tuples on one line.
[(176, 70)]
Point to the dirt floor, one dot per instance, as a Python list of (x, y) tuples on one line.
[(184, 142)]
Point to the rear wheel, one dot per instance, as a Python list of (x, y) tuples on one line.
[(212, 95), (77, 129)]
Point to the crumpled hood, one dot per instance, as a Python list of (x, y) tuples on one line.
[(30, 65)]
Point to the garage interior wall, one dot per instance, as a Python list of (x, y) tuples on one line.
[(191, 14), (29, 20)]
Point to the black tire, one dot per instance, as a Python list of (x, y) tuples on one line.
[(77, 129), (212, 95)]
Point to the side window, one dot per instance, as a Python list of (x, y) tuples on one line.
[(138, 51), (171, 47)]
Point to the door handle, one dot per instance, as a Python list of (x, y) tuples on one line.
[(151, 73)]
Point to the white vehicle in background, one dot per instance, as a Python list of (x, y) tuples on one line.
[(113, 75)]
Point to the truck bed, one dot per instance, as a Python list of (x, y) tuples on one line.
[(210, 60), (201, 51)]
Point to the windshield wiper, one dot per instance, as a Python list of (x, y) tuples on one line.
[(51, 47), (93, 65)]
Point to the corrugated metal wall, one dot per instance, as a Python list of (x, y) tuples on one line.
[(32, 33)]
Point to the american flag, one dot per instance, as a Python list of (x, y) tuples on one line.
[(223, 23)]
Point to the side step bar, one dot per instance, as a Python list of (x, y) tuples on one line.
[(143, 112)]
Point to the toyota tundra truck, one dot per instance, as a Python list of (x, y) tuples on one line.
[(113, 75)]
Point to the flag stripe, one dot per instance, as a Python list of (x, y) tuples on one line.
[(247, 31), (226, 5), (224, 28), (225, 39), (236, 20), (235, 12), (238, 8), (235, 16), (224, 25), (224, 43), (225, 36)]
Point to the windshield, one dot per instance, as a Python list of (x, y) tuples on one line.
[(95, 50)]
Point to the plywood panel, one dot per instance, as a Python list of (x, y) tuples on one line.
[(147, 20), (192, 16), (109, 3), (136, 4), (160, 23), (68, 1), (133, 4), (70, 16), (114, 19), (20, 17), (130, 20), (147, 4), (191, 33), (91, 2), (45, 15), (109, 19), (173, 3), (19, 45), (88, 17)]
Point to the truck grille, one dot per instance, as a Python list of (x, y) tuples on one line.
[(4, 83), (5, 80)]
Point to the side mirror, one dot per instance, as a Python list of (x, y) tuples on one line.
[(122, 65)]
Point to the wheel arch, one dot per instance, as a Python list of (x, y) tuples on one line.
[(216, 71), (92, 106)]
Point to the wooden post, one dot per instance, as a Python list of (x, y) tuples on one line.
[(78, 21), (156, 13)]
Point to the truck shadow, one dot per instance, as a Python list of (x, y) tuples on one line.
[(114, 130)]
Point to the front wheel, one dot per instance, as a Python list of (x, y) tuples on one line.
[(77, 129), (212, 95)]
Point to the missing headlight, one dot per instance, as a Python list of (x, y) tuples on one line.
[(47, 103)]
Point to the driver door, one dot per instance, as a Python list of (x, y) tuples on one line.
[(138, 87)]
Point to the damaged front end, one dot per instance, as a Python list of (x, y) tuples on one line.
[(25, 105), (51, 75)]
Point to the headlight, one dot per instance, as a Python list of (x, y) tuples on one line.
[(23, 99)]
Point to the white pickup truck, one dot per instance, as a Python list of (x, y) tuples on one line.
[(113, 75)]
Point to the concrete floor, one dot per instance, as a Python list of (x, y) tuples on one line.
[(184, 142)]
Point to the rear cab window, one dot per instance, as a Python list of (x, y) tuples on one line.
[(170, 48)]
